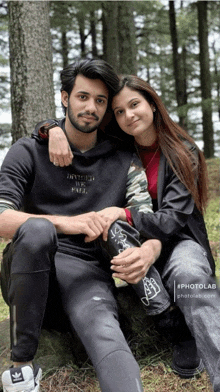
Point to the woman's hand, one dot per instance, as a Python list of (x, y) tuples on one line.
[(59, 149), (111, 214), (133, 263)]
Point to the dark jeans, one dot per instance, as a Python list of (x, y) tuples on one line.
[(187, 276), (87, 294)]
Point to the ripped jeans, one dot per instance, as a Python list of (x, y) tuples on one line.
[(187, 276), (87, 292)]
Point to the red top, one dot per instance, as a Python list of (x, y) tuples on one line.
[(150, 157)]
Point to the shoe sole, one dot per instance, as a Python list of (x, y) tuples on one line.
[(188, 373)]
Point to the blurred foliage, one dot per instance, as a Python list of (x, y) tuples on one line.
[(154, 51), (212, 218)]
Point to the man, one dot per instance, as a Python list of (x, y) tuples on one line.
[(51, 215)]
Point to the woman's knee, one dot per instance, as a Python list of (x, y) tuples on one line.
[(188, 260)]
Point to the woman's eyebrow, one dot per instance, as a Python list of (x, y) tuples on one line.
[(132, 99)]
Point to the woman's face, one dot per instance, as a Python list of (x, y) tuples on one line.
[(134, 115)]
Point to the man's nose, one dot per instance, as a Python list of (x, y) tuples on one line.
[(91, 106)]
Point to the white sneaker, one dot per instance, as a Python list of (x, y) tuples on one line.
[(22, 379)]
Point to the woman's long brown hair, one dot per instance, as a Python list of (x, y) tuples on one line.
[(172, 140)]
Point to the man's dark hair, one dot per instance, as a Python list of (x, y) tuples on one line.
[(91, 69)]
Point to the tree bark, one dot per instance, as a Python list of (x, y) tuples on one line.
[(65, 49), (81, 23), (205, 79), (181, 96), (110, 33), (126, 38), (93, 33), (217, 76), (32, 94)]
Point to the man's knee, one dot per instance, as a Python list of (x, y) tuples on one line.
[(33, 246), (102, 336), (98, 327), (93, 315), (36, 233)]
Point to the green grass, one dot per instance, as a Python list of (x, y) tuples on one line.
[(212, 215), (212, 220), (4, 310)]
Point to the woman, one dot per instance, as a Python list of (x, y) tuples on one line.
[(176, 173)]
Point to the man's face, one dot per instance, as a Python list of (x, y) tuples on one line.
[(87, 104)]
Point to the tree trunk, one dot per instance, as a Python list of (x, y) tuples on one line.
[(65, 49), (32, 94), (126, 38), (205, 80), (93, 33), (177, 65), (217, 78), (81, 22), (110, 33)]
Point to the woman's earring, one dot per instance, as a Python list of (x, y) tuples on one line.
[(154, 109)]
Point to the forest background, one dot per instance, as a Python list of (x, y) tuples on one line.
[(174, 45)]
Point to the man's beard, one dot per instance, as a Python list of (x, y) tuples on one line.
[(82, 128)]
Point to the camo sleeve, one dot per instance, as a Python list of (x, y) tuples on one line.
[(5, 205), (137, 195)]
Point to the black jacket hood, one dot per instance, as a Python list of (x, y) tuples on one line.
[(106, 143)]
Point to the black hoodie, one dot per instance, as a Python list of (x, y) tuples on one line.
[(107, 175)]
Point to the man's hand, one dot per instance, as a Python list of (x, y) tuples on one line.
[(111, 214), (59, 149), (132, 264), (91, 224)]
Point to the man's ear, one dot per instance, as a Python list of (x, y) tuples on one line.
[(64, 98)]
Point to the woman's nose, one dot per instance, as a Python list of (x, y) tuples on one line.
[(129, 114)]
